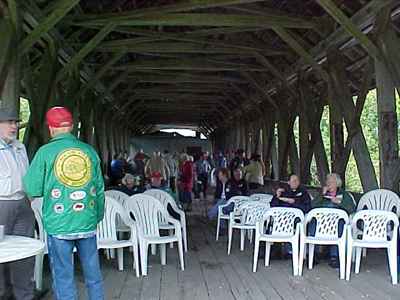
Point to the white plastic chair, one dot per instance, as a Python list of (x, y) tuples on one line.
[(166, 199), (267, 198), (222, 216), (107, 233), (121, 198), (374, 235), (326, 233), (146, 209), (380, 199), (283, 229), (244, 217), (36, 206)]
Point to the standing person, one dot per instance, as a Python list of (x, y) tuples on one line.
[(239, 161), (254, 172), (186, 182), (157, 164), (172, 167), (16, 214), (203, 168), (66, 173)]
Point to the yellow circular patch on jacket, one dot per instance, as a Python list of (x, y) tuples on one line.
[(73, 168)]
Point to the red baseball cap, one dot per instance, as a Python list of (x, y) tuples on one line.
[(59, 116), (156, 174)]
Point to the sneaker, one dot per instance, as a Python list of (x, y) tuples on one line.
[(334, 263)]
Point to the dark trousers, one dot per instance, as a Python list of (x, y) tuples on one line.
[(17, 277)]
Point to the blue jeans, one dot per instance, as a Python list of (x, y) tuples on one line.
[(213, 211), (62, 267), (333, 250)]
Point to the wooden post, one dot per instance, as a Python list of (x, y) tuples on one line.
[(10, 62), (387, 126)]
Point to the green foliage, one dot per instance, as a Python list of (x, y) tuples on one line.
[(24, 113), (369, 123)]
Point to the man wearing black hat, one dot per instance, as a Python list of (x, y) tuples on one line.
[(16, 214)]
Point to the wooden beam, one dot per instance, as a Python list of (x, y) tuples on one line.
[(60, 10), (99, 74), (201, 19), (89, 47), (298, 48), (330, 7)]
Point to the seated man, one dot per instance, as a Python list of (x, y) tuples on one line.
[(237, 187), (130, 185), (221, 192), (293, 195), (333, 196)]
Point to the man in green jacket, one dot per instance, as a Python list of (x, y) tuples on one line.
[(66, 173)]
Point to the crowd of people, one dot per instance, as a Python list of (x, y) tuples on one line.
[(67, 174)]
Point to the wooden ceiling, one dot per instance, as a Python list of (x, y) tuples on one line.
[(201, 62)]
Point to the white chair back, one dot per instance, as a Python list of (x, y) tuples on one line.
[(239, 200), (283, 220), (37, 207), (327, 219), (375, 224), (117, 195), (107, 228), (380, 199), (267, 198), (253, 211), (164, 199), (146, 210)]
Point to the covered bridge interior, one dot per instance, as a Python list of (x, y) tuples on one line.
[(236, 70)]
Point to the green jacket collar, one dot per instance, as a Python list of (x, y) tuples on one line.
[(63, 136)]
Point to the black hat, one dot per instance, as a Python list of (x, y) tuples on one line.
[(8, 114)]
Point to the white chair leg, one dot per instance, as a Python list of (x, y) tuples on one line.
[(136, 259), (267, 253), (311, 248), (180, 249), (342, 260), (242, 236), (184, 234), (358, 259), (350, 255), (143, 257), (112, 253), (39, 271), (392, 256), (153, 249), (218, 225), (255, 256), (364, 254), (301, 256), (171, 232), (120, 254), (230, 239), (163, 254), (295, 257)]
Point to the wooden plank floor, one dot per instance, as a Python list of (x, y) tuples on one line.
[(211, 274)]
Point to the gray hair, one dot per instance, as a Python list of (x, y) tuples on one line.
[(336, 177), (127, 177)]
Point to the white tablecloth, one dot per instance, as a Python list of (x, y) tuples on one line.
[(18, 247)]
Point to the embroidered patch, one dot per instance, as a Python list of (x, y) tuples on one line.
[(73, 168), (78, 206), (93, 191), (77, 195), (92, 204), (58, 208), (55, 193)]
